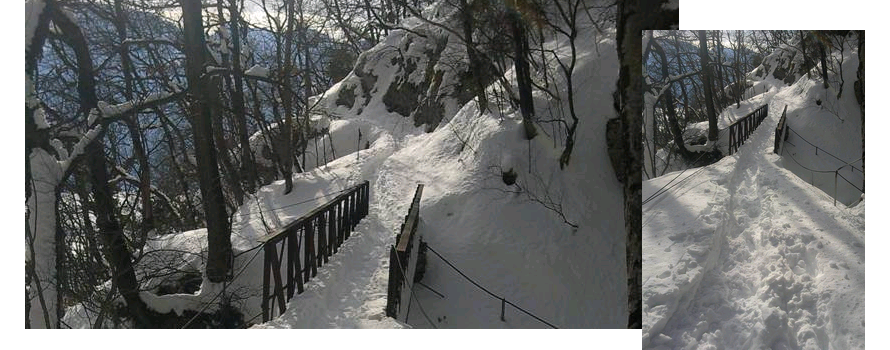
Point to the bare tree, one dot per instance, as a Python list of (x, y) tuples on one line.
[(219, 255), (706, 80)]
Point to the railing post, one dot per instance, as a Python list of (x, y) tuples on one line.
[(310, 251), (340, 215), (291, 251), (347, 215), (266, 262), (298, 273), (332, 231), (503, 302), (354, 214), (322, 240)]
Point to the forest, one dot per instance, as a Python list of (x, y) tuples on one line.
[(754, 212), (165, 139), (684, 100)]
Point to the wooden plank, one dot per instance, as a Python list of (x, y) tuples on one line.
[(348, 218), (266, 262), (332, 231), (310, 243), (298, 276), (322, 241), (276, 274), (307, 232), (292, 251), (339, 224), (299, 222), (410, 220)]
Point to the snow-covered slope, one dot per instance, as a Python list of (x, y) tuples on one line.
[(513, 239), (510, 244), (746, 254)]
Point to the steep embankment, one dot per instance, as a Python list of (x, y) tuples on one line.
[(746, 254), (407, 97), (504, 237)]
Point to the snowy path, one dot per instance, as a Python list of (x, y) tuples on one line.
[(772, 264)]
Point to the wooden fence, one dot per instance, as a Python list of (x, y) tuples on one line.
[(743, 128), (312, 238), (781, 133), (403, 259)]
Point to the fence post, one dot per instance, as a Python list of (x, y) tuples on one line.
[(322, 240), (291, 247), (267, 261), (502, 309), (332, 231), (835, 188)]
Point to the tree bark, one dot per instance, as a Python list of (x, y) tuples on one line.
[(860, 94), (523, 76), (219, 245), (286, 102), (824, 65), (117, 253), (248, 165), (473, 55), (133, 128), (668, 102), (706, 75), (629, 104)]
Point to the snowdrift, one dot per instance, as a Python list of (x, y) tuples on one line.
[(746, 253), (553, 242)]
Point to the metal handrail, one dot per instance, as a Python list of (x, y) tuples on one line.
[(836, 174)]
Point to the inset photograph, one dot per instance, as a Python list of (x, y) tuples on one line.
[(754, 189)]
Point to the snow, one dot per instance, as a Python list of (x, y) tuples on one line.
[(109, 111), (46, 175), (505, 241), (40, 119), (746, 253), (503, 236), (258, 71), (33, 10)]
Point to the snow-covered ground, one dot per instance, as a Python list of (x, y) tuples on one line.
[(513, 246), (512, 239), (746, 254)]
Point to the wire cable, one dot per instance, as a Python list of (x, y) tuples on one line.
[(486, 290), (824, 172), (823, 150), (411, 291), (220, 292), (662, 189)]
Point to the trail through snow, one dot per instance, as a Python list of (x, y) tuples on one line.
[(752, 257)]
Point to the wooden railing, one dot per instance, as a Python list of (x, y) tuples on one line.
[(781, 133), (403, 259), (743, 128), (311, 239)]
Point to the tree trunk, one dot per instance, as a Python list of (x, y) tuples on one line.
[(40, 183), (721, 83), (219, 245), (860, 93), (287, 158), (248, 165), (706, 74), (630, 82), (473, 55), (133, 128), (668, 102), (523, 76), (117, 253), (824, 65)]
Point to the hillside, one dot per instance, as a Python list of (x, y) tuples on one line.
[(749, 252), (552, 243)]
